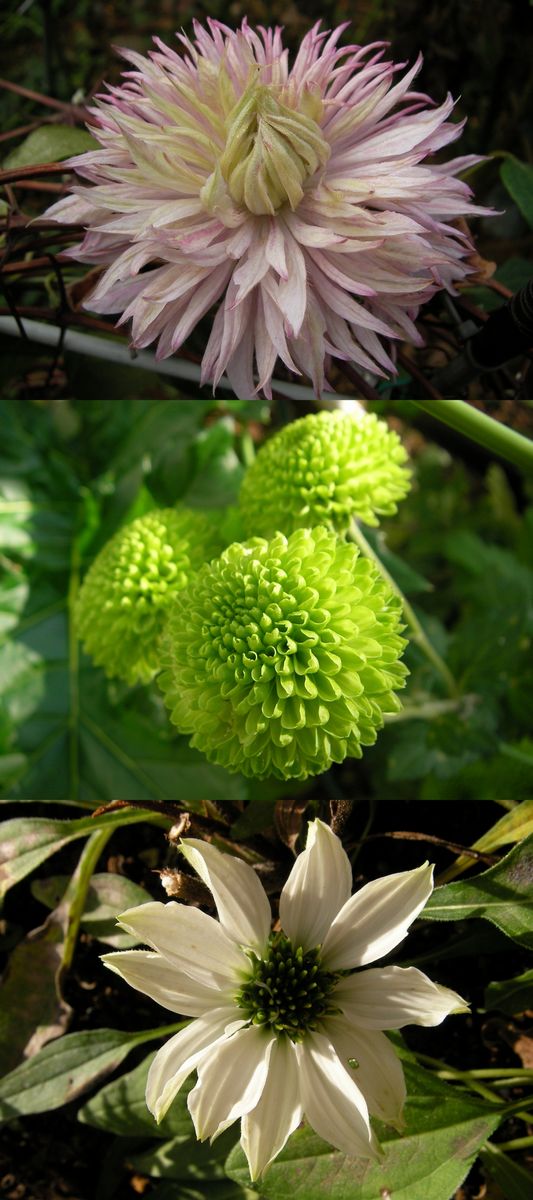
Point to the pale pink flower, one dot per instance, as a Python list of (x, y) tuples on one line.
[(297, 199)]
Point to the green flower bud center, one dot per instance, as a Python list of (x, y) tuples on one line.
[(273, 144), (287, 991)]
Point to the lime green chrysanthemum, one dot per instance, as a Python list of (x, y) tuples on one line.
[(325, 469), (283, 655), (124, 597)]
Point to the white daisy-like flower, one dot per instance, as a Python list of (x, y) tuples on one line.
[(286, 1024)]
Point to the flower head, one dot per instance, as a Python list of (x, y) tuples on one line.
[(283, 655), (297, 199), (326, 469), (130, 585), (286, 1025)]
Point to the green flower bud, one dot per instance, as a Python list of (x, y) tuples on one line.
[(326, 469), (127, 590), (282, 656)]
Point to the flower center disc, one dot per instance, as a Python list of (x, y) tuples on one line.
[(271, 149), (287, 992)]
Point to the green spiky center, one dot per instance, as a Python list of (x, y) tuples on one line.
[(287, 991)]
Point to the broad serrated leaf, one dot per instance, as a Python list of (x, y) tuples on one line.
[(443, 1132), (50, 143), (503, 895), (67, 1068), (510, 995)]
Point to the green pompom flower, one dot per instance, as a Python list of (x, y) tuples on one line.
[(283, 655), (124, 597), (325, 469)]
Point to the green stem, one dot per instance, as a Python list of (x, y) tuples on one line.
[(516, 1143), (73, 667), (470, 1080), (76, 893), (425, 712), (417, 633), (247, 447), (462, 417)]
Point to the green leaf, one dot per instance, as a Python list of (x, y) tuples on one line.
[(107, 896), (50, 143), (517, 177), (120, 1108), (443, 1132), (514, 1180), (511, 995), (503, 895), (67, 1068), (27, 841), (188, 1161)]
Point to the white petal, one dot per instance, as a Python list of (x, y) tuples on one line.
[(179, 1056), (377, 918), (318, 886), (230, 1081), (379, 1074), (390, 997), (267, 1127), (333, 1104), (240, 898), (190, 940), (155, 977)]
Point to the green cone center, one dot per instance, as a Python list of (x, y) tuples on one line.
[(287, 991)]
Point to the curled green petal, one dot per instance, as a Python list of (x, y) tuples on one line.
[(267, 653), (326, 468), (126, 592)]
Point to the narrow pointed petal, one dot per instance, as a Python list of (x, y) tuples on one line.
[(179, 1056), (333, 1104), (266, 1129), (317, 888), (240, 898), (377, 918), (390, 997), (155, 977), (190, 940), (230, 1081), (378, 1072)]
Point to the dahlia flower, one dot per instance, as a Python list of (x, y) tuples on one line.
[(286, 1025), (296, 198), (283, 655), (327, 468), (128, 588)]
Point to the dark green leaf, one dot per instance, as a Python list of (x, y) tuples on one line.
[(503, 895), (518, 179), (107, 896), (511, 995), (189, 1161), (514, 1180), (120, 1107), (65, 1069)]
